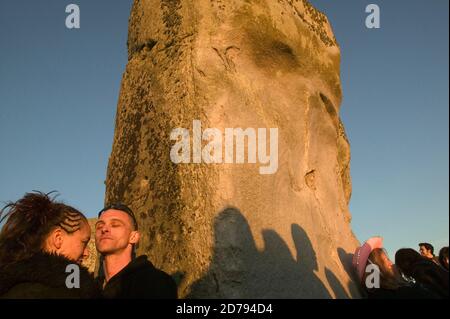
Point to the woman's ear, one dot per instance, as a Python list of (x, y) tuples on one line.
[(56, 239), (135, 236)]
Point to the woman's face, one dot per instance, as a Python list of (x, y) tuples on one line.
[(387, 263), (71, 245), (74, 245)]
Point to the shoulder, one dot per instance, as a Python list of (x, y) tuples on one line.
[(155, 282), (44, 276), (428, 268), (149, 272)]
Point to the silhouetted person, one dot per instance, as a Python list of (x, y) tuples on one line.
[(239, 270), (235, 262), (346, 261), (423, 270), (282, 275), (306, 260), (122, 276), (427, 251), (443, 257), (338, 289)]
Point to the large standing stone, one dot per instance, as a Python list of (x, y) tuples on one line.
[(225, 230)]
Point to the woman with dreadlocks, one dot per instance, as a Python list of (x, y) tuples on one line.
[(42, 245)]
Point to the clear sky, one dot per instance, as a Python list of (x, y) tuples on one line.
[(59, 91)]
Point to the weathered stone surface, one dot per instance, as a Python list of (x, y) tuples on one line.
[(224, 230), (91, 261)]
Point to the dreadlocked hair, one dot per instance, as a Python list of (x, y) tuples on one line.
[(29, 221)]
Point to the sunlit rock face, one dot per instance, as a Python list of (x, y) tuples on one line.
[(91, 261), (227, 229)]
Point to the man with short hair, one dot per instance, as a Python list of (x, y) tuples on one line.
[(427, 251), (122, 275)]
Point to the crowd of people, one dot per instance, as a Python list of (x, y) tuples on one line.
[(40, 237), (413, 275)]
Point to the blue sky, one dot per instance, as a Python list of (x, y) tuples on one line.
[(59, 91), (395, 110)]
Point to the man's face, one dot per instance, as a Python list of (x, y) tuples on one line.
[(74, 245), (425, 252), (114, 232)]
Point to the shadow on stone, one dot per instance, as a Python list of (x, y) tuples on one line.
[(239, 270), (346, 261), (338, 289)]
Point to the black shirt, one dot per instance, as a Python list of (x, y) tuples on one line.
[(139, 280)]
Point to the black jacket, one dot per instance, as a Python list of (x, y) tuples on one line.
[(139, 280), (43, 276), (432, 276)]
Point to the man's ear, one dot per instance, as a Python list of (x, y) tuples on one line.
[(56, 238), (135, 236)]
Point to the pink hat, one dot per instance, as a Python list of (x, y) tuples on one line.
[(362, 254)]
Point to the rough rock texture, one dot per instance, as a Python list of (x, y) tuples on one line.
[(224, 230), (90, 262)]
